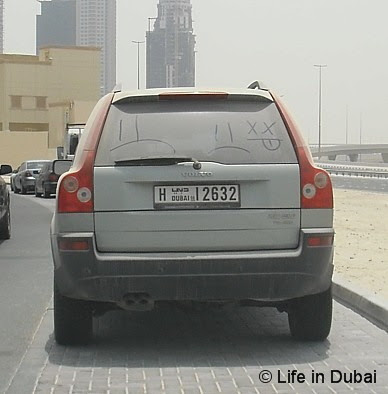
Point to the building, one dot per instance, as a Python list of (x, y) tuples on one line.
[(170, 46), (56, 25), (96, 26), (1, 26), (40, 94), (83, 23)]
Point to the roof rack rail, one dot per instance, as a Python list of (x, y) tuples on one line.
[(257, 85), (118, 88)]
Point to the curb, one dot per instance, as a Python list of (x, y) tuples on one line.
[(362, 301)]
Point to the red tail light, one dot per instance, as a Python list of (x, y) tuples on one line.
[(53, 177), (28, 173), (315, 183), (324, 240), (75, 190)]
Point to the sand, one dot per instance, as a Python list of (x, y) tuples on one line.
[(361, 240)]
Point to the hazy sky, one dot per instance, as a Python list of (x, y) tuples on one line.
[(276, 41)]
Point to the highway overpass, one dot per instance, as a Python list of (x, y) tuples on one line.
[(353, 151)]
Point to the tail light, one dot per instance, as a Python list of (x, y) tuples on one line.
[(323, 240), (75, 188), (53, 177), (28, 173), (315, 183)]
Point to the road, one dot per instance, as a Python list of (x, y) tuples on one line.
[(25, 280), (167, 350)]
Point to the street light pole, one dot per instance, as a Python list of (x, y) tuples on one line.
[(138, 61), (320, 66)]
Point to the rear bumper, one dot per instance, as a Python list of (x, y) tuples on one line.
[(268, 276), (50, 187)]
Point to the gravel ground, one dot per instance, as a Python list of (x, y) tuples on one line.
[(361, 242)]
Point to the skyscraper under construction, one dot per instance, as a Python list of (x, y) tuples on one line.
[(170, 46)]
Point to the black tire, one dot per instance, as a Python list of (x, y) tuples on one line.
[(5, 226), (16, 190), (37, 194), (46, 192), (23, 190), (73, 320), (12, 189), (310, 317)]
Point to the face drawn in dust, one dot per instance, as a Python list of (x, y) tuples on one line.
[(225, 136), (138, 145)]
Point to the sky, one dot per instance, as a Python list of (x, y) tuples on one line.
[(274, 41)]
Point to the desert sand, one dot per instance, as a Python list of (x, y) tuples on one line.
[(361, 240)]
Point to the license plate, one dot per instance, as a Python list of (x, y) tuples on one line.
[(197, 196)]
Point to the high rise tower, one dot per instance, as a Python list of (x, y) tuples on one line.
[(56, 25), (1, 26), (83, 23), (170, 46), (96, 26)]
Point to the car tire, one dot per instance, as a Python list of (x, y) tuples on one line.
[(23, 190), (46, 192), (37, 194), (5, 226), (310, 317), (12, 189), (73, 320)]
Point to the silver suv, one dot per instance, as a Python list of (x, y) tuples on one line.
[(192, 196)]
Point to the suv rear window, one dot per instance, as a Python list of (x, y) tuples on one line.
[(35, 164), (227, 132)]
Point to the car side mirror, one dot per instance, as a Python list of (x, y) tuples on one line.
[(5, 169), (61, 166)]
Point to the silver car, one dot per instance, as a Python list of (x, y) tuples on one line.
[(192, 196), (24, 179)]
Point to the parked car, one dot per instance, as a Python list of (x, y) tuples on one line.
[(46, 182), (24, 180), (12, 177), (5, 214), (199, 196)]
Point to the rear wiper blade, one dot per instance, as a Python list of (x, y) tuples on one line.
[(155, 161)]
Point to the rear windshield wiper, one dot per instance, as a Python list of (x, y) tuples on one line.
[(155, 161)]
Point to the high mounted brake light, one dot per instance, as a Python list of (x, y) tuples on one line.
[(75, 188), (315, 183), (193, 96)]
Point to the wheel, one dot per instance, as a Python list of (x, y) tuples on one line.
[(5, 226), (310, 317), (23, 189), (15, 189), (46, 192), (12, 189), (73, 320), (37, 194)]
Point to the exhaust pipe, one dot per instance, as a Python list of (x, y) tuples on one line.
[(136, 302)]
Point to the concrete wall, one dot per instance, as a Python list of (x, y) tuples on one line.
[(18, 147)]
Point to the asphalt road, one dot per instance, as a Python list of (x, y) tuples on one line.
[(355, 183), (25, 280)]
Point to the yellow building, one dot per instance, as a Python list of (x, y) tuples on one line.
[(40, 94)]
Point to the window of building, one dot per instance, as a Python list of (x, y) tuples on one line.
[(41, 102), (16, 101)]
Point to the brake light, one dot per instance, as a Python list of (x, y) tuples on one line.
[(53, 177), (27, 173), (193, 96), (315, 183), (75, 189)]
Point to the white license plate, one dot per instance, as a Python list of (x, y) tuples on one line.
[(197, 196)]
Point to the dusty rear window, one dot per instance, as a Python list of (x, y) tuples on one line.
[(227, 132)]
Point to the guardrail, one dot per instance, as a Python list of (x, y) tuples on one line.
[(355, 171)]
